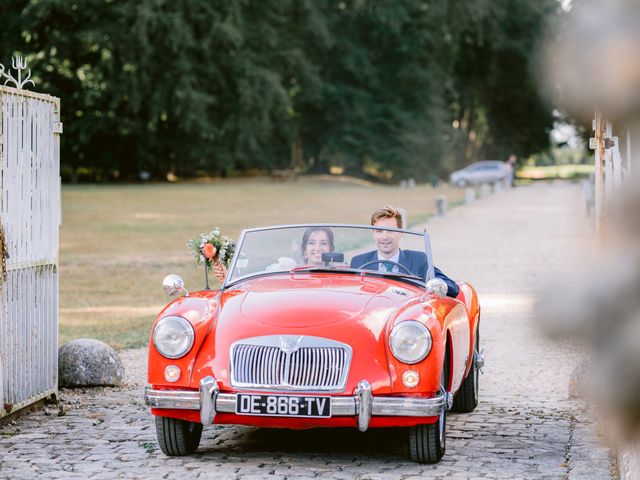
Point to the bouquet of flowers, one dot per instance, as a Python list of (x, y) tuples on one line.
[(212, 247)]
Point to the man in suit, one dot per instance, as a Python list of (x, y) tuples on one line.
[(388, 244)]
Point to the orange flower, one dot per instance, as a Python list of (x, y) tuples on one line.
[(209, 251)]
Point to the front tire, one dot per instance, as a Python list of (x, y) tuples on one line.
[(466, 399), (427, 442), (178, 438)]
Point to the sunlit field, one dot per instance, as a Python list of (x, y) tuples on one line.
[(118, 242), (555, 171)]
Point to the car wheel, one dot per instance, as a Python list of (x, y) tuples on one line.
[(466, 399), (427, 442), (178, 437)]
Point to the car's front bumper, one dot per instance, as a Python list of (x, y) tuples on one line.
[(362, 404)]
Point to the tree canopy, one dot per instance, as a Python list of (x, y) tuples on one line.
[(389, 89)]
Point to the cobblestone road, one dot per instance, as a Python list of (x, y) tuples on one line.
[(525, 427)]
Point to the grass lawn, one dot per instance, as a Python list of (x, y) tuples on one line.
[(555, 171), (117, 242)]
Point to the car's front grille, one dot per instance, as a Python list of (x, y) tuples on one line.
[(311, 364)]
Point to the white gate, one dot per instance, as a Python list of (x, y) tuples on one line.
[(30, 218)]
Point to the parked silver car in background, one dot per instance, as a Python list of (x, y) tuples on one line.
[(485, 171)]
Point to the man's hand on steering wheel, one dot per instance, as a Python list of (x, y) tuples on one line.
[(390, 262)]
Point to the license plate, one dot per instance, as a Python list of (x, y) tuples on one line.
[(283, 405)]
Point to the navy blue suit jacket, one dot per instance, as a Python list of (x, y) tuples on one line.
[(415, 262)]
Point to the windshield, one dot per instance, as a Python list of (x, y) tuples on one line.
[(320, 247)]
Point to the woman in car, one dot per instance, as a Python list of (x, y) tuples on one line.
[(315, 242)]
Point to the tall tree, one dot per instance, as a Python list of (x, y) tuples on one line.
[(496, 106), (387, 89)]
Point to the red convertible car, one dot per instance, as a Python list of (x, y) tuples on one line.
[(303, 334)]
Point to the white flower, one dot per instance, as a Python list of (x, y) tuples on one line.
[(283, 263)]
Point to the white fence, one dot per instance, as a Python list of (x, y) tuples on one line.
[(613, 161), (617, 159), (30, 215)]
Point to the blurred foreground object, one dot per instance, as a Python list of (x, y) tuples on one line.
[(590, 59), (591, 69), (603, 310)]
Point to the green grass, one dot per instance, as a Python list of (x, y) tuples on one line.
[(117, 242), (555, 171)]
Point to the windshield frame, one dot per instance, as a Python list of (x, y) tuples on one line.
[(228, 283)]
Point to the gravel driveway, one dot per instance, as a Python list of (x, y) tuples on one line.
[(507, 245)]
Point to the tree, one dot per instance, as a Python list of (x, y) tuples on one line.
[(494, 97), (383, 89)]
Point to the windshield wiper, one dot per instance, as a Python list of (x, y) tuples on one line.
[(319, 268)]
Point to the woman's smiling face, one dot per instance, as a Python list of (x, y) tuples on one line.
[(317, 244)]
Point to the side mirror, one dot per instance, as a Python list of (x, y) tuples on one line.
[(438, 287), (173, 284)]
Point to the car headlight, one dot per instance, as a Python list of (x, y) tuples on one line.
[(410, 341), (173, 337)]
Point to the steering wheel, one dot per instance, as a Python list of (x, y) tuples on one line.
[(373, 262)]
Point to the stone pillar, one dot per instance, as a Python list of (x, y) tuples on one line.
[(441, 205), (485, 190), (469, 195)]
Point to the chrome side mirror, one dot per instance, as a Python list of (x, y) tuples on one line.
[(173, 284), (437, 287)]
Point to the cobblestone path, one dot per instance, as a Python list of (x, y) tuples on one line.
[(505, 245)]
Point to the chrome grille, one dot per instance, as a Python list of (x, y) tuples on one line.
[(258, 364), (313, 363)]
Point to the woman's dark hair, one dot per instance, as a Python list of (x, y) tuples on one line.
[(307, 234)]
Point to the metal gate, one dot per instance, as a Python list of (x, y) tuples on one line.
[(30, 218)]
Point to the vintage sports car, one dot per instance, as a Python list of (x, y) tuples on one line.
[(297, 337)]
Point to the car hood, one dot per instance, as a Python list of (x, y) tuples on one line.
[(309, 303), (307, 300), (346, 308)]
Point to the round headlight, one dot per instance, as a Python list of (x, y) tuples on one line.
[(410, 341), (173, 337)]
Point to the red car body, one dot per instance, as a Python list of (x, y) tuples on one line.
[(358, 311)]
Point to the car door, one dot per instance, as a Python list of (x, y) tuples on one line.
[(472, 173), (488, 173)]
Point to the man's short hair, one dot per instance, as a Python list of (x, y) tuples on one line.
[(387, 212)]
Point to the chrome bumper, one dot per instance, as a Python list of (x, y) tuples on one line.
[(362, 404)]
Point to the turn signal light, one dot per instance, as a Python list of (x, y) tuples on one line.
[(410, 378), (172, 373)]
